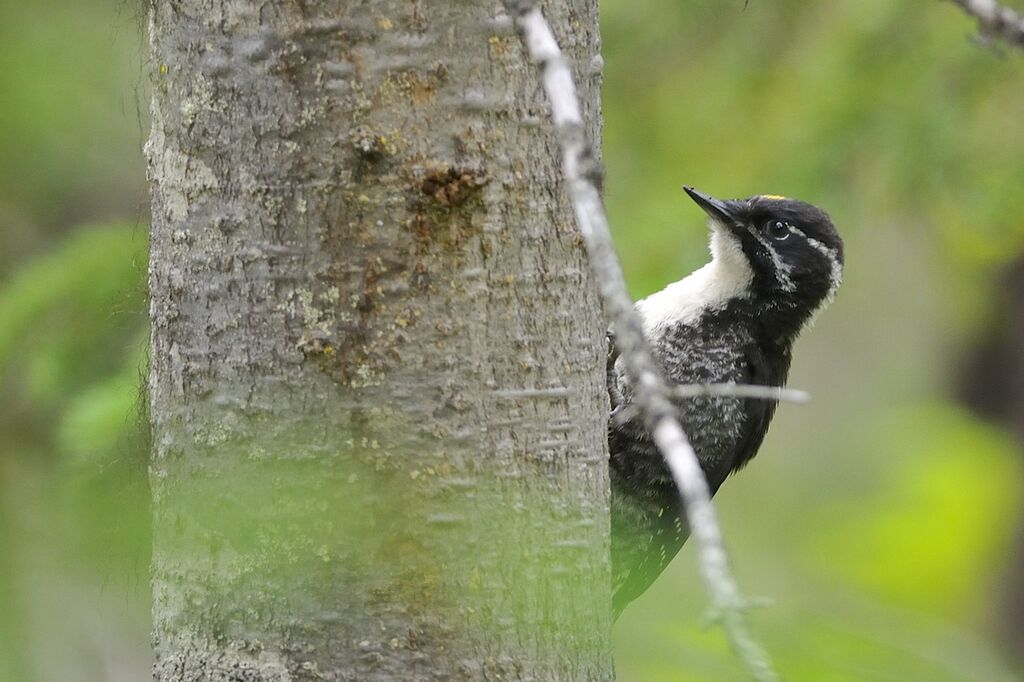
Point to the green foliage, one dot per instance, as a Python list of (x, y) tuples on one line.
[(68, 317), (932, 540), (877, 518), (72, 350)]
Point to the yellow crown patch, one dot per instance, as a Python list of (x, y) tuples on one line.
[(774, 197)]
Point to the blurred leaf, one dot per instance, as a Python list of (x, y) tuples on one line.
[(934, 537), (60, 313), (102, 422)]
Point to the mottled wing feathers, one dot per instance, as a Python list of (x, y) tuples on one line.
[(759, 370), (648, 528)]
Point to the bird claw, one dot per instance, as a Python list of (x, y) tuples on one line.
[(623, 413), (715, 615)]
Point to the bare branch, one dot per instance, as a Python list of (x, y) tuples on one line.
[(752, 391), (583, 174), (787, 395), (995, 20)]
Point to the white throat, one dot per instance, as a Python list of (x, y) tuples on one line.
[(728, 276)]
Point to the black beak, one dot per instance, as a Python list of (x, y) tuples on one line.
[(716, 208)]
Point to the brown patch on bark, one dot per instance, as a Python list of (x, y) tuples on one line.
[(421, 276), (371, 275), (451, 187), (420, 91), (443, 201)]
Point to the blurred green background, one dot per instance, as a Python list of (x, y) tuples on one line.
[(881, 518)]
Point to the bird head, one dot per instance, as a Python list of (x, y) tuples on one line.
[(792, 249)]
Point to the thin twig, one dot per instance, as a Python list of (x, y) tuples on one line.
[(583, 174), (995, 20), (756, 392), (752, 391)]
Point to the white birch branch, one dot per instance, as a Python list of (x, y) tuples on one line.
[(754, 391), (583, 174), (995, 20)]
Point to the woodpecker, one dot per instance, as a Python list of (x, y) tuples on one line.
[(775, 263)]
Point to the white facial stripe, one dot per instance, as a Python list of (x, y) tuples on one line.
[(728, 276), (836, 275), (783, 270)]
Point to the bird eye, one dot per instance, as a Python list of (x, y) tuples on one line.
[(778, 230)]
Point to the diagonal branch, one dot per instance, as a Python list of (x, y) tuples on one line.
[(995, 20), (583, 174)]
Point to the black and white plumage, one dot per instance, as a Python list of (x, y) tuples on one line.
[(775, 263)]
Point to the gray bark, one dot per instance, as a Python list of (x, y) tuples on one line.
[(377, 389)]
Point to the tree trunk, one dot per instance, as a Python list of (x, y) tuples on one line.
[(377, 390)]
